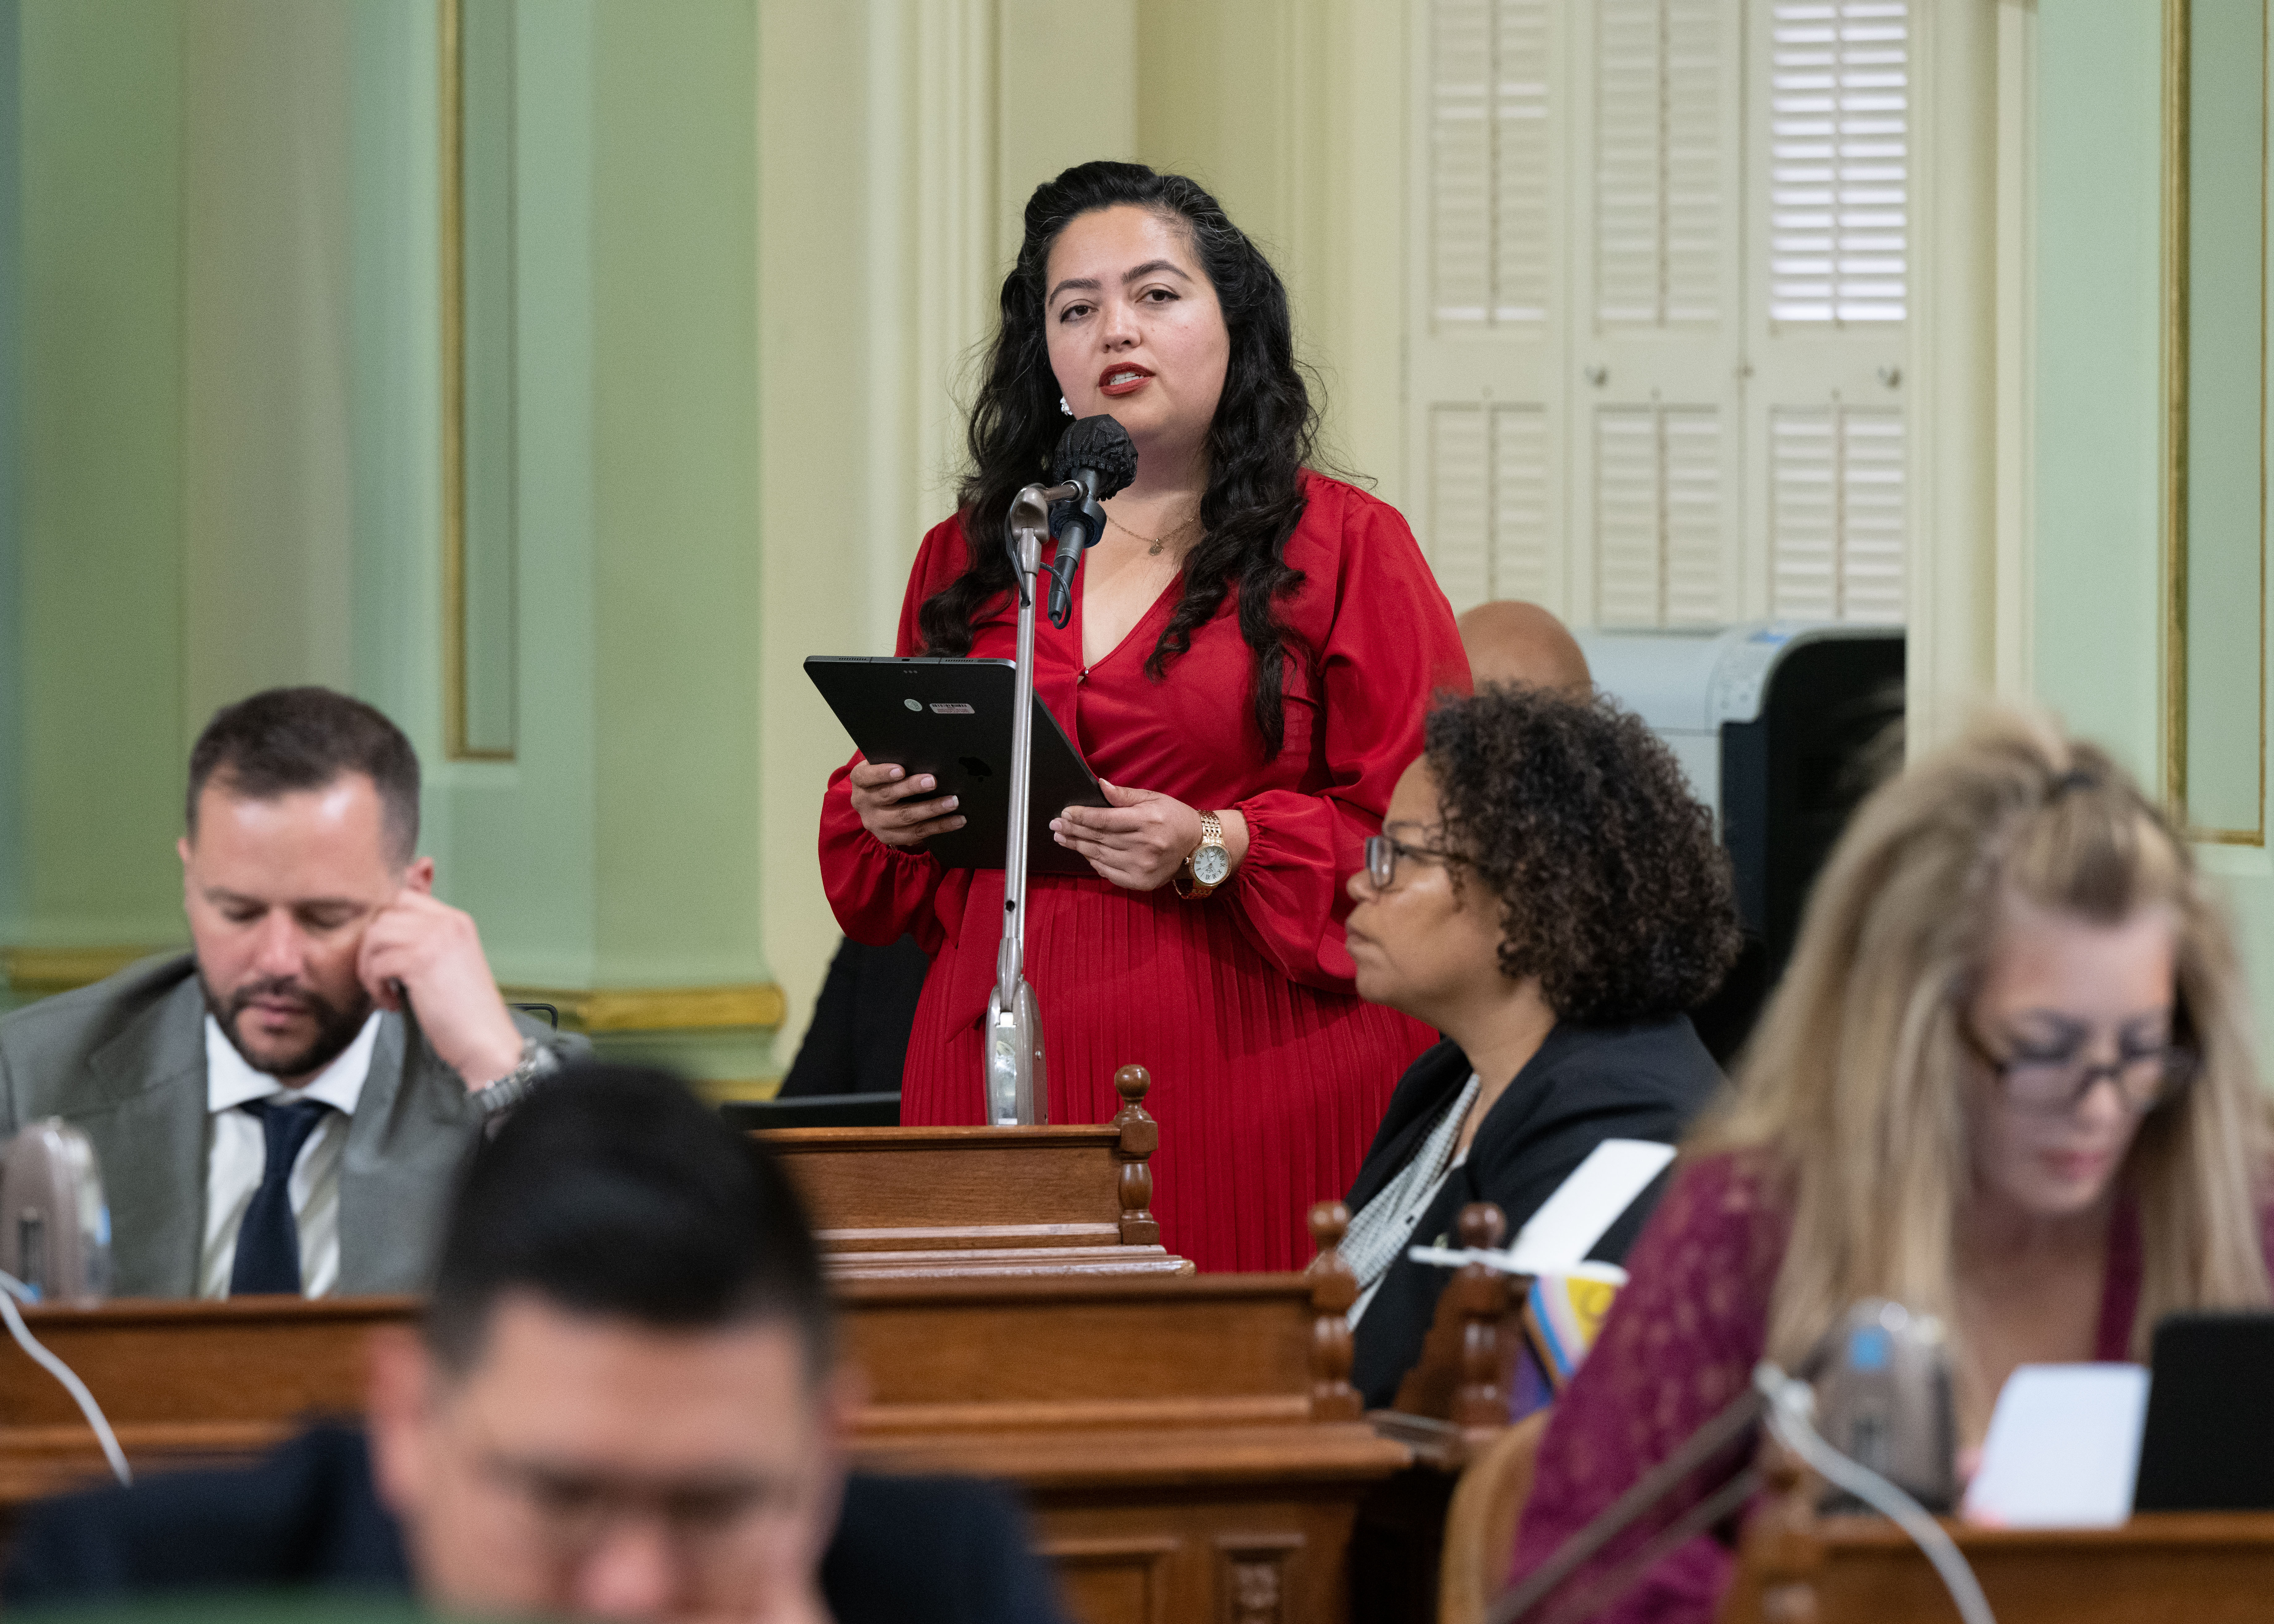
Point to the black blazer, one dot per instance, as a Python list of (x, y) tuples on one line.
[(930, 1548), (1586, 1084)]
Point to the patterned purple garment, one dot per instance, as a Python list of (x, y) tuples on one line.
[(1681, 1342)]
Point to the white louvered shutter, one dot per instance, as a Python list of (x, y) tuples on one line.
[(1658, 325), (1657, 482), (1831, 297), (1485, 342)]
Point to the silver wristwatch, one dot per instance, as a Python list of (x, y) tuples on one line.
[(538, 1063)]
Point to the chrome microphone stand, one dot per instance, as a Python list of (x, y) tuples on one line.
[(1018, 1084)]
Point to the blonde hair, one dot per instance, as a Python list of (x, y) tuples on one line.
[(1851, 1093)]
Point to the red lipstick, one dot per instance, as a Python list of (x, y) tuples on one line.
[(1123, 378)]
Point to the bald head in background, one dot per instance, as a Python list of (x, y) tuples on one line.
[(1514, 641)]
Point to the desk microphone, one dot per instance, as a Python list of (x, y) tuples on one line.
[(1881, 1380), (54, 1227), (55, 1246), (1096, 460)]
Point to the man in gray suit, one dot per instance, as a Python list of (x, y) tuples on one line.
[(285, 1107)]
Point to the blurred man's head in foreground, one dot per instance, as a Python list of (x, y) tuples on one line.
[(625, 1401)]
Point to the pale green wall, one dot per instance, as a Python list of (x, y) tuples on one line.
[(99, 564), (675, 442), (2098, 392), (2099, 431), (231, 430)]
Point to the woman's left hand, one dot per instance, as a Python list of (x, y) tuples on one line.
[(1142, 840)]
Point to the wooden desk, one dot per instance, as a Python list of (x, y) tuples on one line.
[(2169, 1568), (1190, 1444), (985, 1203), (180, 1382)]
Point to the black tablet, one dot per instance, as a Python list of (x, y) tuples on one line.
[(952, 718), (814, 1110), (2210, 1412)]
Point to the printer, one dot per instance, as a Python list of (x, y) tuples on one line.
[(1783, 727)]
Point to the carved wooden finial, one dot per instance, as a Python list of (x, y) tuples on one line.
[(1140, 1136), (1487, 1297), (1334, 1287)]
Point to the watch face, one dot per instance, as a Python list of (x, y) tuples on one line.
[(1210, 864)]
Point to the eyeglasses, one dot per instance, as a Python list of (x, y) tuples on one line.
[(2054, 1083), (571, 1512), (1383, 850)]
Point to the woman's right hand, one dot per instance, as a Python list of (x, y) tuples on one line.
[(891, 809)]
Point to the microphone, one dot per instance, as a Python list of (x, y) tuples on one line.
[(1883, 1390), (1096, 457), (54, 1229)]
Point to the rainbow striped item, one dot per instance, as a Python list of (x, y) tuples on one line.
[(1566, 1313)]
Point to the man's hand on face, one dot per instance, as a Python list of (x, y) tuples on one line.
[(424, 951)]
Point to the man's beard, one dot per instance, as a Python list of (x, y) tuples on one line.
[(336, 1028)]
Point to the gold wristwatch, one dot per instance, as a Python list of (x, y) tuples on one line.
[(1209, 865)]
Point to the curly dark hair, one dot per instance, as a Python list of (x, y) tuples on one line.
[(1613, 891), (1264, 434)]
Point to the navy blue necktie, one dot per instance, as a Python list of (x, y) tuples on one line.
[(268, 1240)]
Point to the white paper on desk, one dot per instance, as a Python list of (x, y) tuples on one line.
[(1559, 1237), (2063, 1448)]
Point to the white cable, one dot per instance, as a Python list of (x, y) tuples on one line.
[(11, 1288), (1790, 1418)]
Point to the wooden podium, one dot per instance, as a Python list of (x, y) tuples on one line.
[(985, 1203)]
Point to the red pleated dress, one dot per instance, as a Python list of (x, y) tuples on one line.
[(1269, 1073)]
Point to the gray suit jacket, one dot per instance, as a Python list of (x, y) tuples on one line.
[(124, 1060)]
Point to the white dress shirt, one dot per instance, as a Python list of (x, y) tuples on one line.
[(237, 1153)]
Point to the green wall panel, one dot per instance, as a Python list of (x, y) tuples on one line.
[(100, 545)]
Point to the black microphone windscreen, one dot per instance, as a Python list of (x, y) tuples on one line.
[(1101, 444)]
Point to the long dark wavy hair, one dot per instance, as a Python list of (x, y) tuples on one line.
[(1264, 433)]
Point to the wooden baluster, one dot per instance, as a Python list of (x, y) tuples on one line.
[(1334, 1287), (1782, 1548), (1484, 1297), (1140, 1136)]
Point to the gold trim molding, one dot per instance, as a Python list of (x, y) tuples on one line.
[(43, 971), (661, 1009), (451, 187), (2177, 25), (2178, 156)]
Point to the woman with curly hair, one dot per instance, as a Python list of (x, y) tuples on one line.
[(2006, 1081), (1547, 893), (1252, 648)]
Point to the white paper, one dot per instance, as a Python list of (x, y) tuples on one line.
[(1559, 1237), (2063, 1448)]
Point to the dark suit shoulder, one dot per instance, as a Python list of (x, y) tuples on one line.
[(1653, 1071), (308, 1514), (946, 1550)]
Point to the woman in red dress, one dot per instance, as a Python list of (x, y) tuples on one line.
[(1252, 650)]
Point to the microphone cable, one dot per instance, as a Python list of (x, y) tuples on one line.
[(1786, 1406), (11, 1289)]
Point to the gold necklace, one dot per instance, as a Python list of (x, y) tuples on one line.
[(1152, 543)]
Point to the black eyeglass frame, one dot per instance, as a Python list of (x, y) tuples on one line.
[(2180, 1062), (1383, 850)]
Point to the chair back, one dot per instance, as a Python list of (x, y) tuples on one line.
[(1480, 1523)]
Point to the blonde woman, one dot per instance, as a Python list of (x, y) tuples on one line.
[(2006, 1081)]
